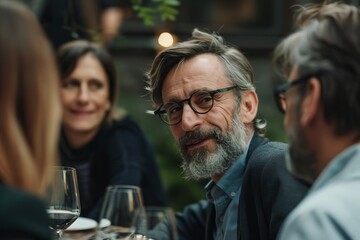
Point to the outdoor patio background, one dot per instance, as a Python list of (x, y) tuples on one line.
[(253, 26)]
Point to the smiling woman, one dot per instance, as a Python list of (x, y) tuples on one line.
[(104, 148), (85, 100)]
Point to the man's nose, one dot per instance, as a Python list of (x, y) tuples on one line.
[(190, 120)]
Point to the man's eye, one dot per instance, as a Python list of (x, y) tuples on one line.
[(203, 100), (173, 109)]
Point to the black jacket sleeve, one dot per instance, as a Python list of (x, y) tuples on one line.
[(191, 223)]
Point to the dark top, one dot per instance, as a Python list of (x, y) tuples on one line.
[(268, 194), (23, 216), (64, 20), (118, 154)]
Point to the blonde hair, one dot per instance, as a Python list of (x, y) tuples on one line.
[(29, 101)]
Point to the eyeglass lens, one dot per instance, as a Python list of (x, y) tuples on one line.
[(200, 102)]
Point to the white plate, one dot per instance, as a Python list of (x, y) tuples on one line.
[(83, 223), (104, 223)]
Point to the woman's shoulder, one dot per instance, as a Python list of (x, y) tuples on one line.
[(25, 213), (125, 125), (13, 196), (124, 122), (127, 133), (19, 200)]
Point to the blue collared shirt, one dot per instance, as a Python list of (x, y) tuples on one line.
[(331, 208), (225, 195)]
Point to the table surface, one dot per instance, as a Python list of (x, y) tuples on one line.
[(78, 235)]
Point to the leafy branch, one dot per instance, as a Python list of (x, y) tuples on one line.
[(166, 9)]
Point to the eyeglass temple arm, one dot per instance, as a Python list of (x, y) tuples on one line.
[(156, 112), (151, 112)]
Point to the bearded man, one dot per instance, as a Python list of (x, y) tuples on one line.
[(204, 90)]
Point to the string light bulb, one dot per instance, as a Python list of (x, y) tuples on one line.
[(165, 39)]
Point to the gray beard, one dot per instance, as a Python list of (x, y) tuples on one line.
[(203, 164), (300, 160)]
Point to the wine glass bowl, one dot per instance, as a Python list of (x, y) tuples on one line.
[(63, 201), (119, 206), (156, 223), (61, 219)]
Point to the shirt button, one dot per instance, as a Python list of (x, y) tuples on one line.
[(233, 194)]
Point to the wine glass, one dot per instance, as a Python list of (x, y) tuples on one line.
[(155, 223), (63, 201), (120, 204)]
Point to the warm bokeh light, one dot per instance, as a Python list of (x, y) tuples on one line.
[(165, 39)]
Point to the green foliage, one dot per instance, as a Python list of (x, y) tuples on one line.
[(166, 9)]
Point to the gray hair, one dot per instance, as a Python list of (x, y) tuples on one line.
[(327, 44), (237, 68)]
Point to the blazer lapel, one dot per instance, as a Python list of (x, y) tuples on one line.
[(210, 223), (256, 141)]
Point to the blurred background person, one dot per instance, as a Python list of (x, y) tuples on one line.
[(321, 102), (29, 123), (105, 148), (93, 20)]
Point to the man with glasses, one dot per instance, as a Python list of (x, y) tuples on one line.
[(321, 103), (205, 91)]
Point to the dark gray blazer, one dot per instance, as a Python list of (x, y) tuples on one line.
[(268, 194)]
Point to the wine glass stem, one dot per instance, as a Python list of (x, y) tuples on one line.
[(58, 234)]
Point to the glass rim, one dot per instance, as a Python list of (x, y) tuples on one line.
[(63, 168)]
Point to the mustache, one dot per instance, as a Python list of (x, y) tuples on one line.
[(199, 135)]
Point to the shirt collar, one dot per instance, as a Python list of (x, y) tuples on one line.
[(230, 182), (345, 163)]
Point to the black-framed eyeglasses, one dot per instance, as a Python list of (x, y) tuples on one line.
[(201, 102), (280, 91)]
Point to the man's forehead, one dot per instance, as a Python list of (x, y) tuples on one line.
[(193, 75), (186, 89)]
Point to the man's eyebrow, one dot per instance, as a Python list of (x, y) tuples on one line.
[(175, 99)]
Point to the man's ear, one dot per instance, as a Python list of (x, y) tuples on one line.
[(249, 106), (311, 103)]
